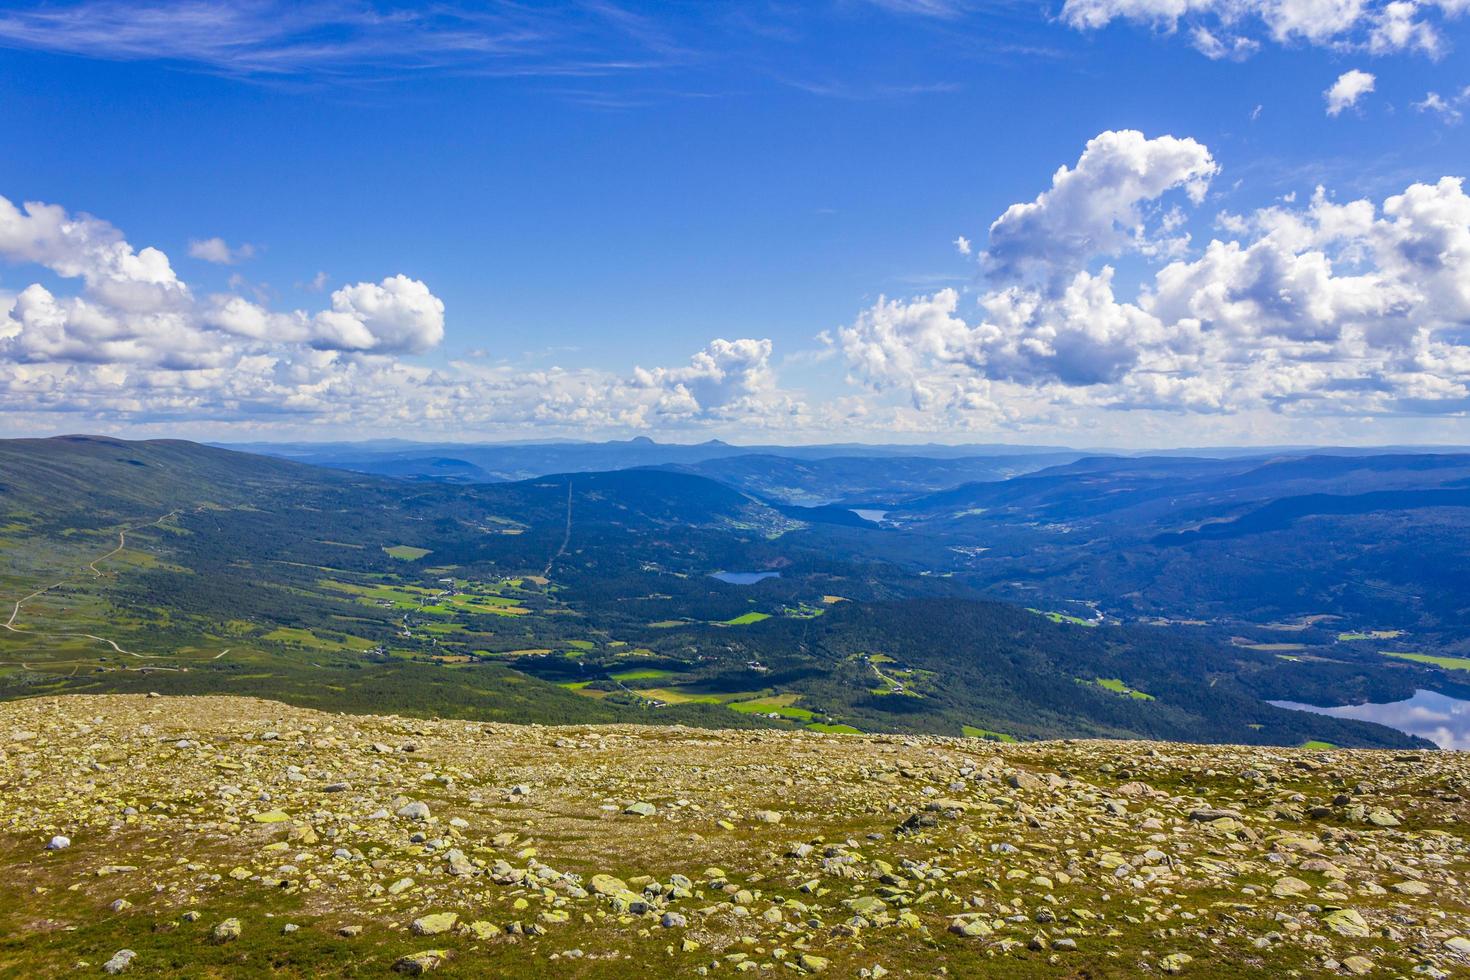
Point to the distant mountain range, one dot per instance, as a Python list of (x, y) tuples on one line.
[(1159, 595)]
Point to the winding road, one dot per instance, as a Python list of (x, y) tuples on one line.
[(122, 541)]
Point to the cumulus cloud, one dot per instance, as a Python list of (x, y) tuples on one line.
[(724, 374), (397, 316), (1098, 205), (1350, 86), (218, 251), (135, 343), (1357, 307), (1237, 28)]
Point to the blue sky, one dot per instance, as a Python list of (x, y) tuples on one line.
[(695, 220)]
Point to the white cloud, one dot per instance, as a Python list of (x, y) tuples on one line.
[(397, 316), (1237, 28), (135, 344), (726, 373), (1099, 206), (1222, 48), (1397, 27), (273, 39), (1350, 86), (1355, 308), (962, 245), (1448, 109), (218, 251)]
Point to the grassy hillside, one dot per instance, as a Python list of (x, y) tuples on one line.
[(584, 597)]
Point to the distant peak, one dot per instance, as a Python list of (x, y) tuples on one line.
[(641, 441)]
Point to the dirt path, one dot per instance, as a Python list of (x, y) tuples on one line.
[(122, 542), (565, 541)]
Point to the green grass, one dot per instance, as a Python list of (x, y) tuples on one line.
[(818, 726), (1371, 635), (679, 695), (745, 619), (641, 674), (1117, 686), (306, 638), (406, 552), (1059, 618), (1448, 663), (1318, 744), (973, 732), (780, 704)]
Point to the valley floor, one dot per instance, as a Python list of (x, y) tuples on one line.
[(219, 836)]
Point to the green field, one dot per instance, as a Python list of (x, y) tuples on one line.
[(818, 726), (1058, 617), (406, 552), (641, 674), (781, 704), (1448, 663), (973, 732), (1117, 686), (307, 638), (746, 619)]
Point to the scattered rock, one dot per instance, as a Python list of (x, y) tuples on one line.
[(416, 964), (435, 924), (414, 811), (121, 962)]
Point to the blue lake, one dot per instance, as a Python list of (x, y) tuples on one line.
[(876, 516), (1445, 721), (744, 578)]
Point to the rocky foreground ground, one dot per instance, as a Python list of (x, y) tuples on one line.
[(233, 837)]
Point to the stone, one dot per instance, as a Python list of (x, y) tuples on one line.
[(972, 928), (456, 863), (121, 962), (812, 963), (1347, 922), (416, 964), (1290, 887), (607, 885), (1175, 962), (60, 843), (226, 932), (640, 809), (414, 811), (434, 924), (1023, 780)]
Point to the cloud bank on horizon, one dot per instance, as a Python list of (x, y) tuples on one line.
[(1122, 286)]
